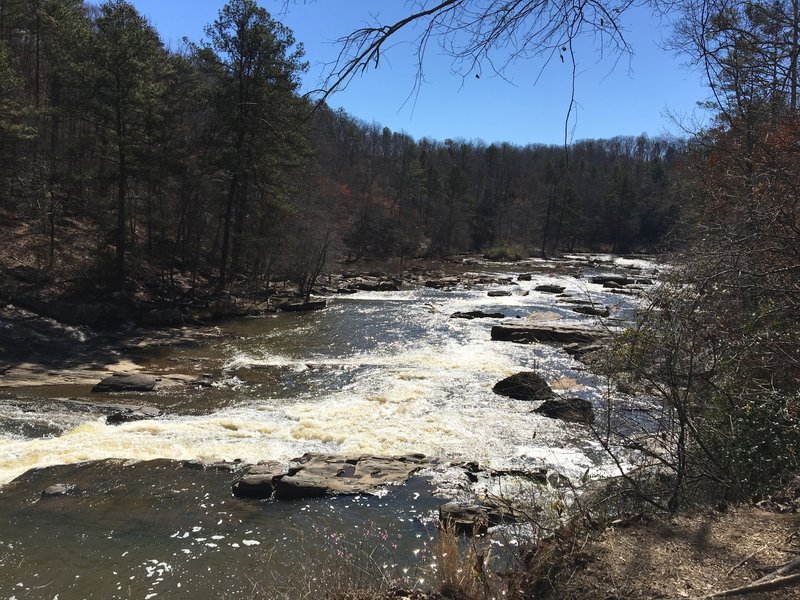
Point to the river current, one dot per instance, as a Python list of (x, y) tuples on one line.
[(376, 372)]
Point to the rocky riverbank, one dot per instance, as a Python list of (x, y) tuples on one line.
[(48, 341)]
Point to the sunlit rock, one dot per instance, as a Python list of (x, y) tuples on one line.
[(315, 475), (527, 333), (259, 481)]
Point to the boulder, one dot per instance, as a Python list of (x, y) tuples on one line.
[(524, 386), (388, 286), (126, 382), (578, 350), (472, 518), (498, 293), (477, 314), (572, 410), (527, 333), (373, 285), (524, 277), (548, 288), (204, 381)]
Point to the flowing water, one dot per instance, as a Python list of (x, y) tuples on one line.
[(381, 373)]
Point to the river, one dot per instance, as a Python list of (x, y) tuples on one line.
[(376, 372)]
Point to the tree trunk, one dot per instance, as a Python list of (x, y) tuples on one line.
[(226, 231), (122, 176), (546, 230)]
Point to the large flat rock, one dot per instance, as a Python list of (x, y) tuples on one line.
[(317, 475), (528, 333)]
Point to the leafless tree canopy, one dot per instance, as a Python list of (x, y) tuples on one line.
[(484, 35)]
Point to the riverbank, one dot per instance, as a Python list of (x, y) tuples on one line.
[(699, 553), (49, 341)]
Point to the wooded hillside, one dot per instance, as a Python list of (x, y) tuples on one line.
[(123, 161)]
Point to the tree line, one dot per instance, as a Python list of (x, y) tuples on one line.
[(207, 165)]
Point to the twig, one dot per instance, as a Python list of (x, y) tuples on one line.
[(744, 560), (755, 587), (779, 578)]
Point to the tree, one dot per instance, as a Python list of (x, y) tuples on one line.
[(719, 345), (13, 126), (120, 71), (257, 64), (748, 51)]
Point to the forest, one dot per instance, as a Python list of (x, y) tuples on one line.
[(122, 161)]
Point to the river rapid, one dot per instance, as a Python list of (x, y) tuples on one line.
[(380, 373)]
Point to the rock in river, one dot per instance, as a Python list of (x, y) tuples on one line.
[(127, 414), (472, 518), (477, 314), (321, 475), (528, 332), (524, 386), (126, 382), (548, 288), (594, 311), (612, 280), (259, 481), (572, 410), (61, 489), (464, 517)]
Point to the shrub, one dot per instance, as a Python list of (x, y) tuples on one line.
[(503, 253)]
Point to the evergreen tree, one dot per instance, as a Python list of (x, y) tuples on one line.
[(257, 64)]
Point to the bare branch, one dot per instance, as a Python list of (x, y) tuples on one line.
[(478, 34)]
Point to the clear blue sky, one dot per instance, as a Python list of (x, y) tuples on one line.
[(636, 95)]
